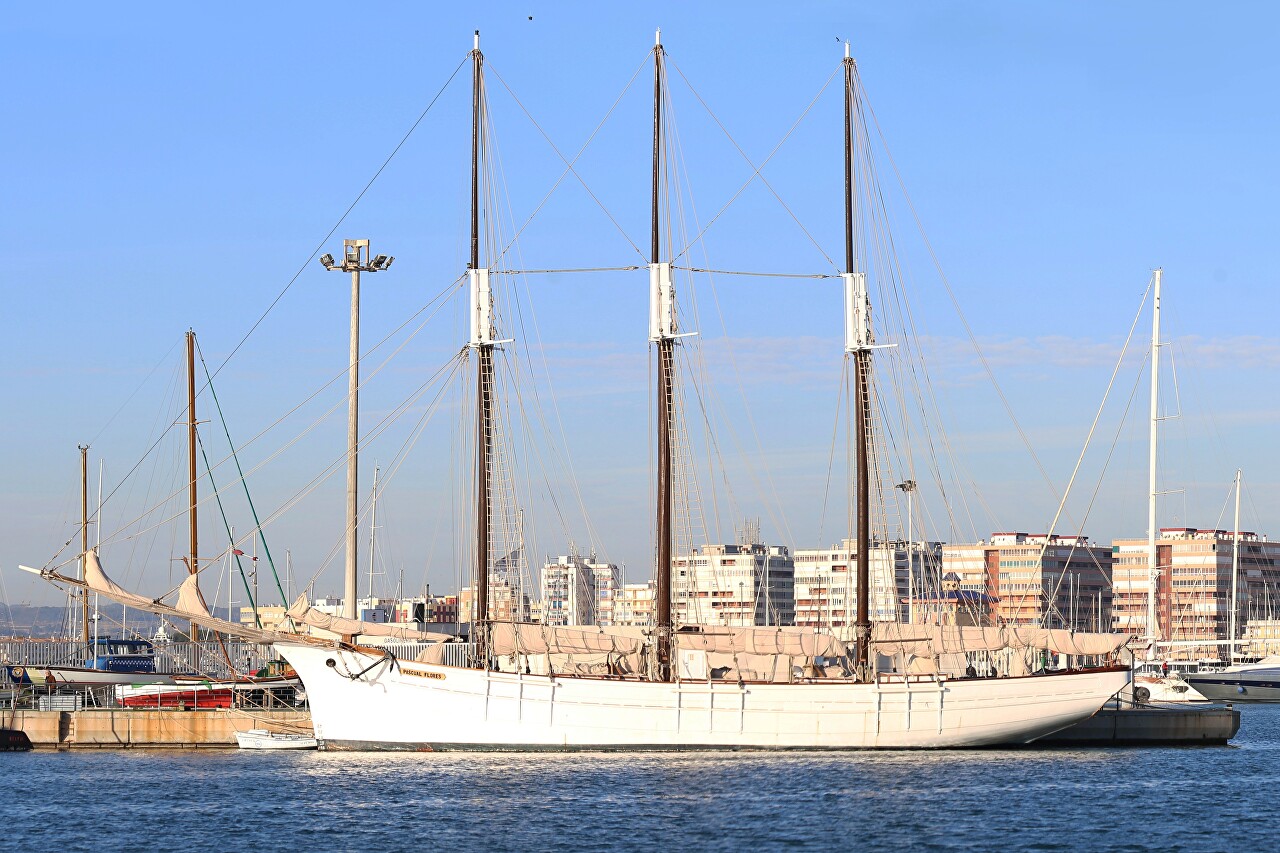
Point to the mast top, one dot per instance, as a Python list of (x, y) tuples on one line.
[(477, 43), (846, 51), (657, 37)]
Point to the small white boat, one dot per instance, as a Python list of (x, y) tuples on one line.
[(264, 739)]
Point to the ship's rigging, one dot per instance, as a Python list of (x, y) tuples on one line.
[(694, 492)]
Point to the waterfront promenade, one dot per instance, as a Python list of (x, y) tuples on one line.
[(120, 728)]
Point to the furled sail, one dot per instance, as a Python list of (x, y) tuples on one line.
[(190, 600), (788, 641), (98, 581), (513, 638), (931, 641), (303, 612)]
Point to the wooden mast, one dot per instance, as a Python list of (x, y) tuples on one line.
[(666, 348), (193, 496), (84, 542), (861, 383), (484, 382)]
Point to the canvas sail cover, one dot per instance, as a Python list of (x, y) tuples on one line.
[(303, 612), (1066, 642), (788, 641), (930, 641), (773, 669), (511, 638)]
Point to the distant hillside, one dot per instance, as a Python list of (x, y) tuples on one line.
[(22, 620)]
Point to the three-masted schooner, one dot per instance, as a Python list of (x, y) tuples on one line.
[(658, 688)]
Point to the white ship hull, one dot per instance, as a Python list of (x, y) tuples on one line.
[(416, 706)]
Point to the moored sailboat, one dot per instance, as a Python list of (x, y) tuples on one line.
[(686, 686)]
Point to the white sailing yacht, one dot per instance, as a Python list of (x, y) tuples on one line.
[(1154, 680), (686, 686)]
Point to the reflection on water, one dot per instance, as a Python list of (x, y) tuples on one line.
[(1181, 799)]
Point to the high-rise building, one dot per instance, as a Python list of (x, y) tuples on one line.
[(507, 602), (606, 579), (573, 588), (737, 585), (1036, 579), (1193, 590), (826, 586)]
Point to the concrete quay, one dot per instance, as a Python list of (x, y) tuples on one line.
[(117, 728), (1150, 725)]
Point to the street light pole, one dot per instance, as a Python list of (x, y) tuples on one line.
[(355, 260)]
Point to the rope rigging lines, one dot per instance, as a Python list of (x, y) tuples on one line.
[(903, 415)]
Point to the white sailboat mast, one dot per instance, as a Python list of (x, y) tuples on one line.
[(373, 532), (1235, 578), (84, 540), (1153, 568)]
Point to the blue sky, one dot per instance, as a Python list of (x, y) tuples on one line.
[(173, 166)]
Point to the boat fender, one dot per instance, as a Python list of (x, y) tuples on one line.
[(1241, 689)]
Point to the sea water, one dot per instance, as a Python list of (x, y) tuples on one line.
[(1172, 799)]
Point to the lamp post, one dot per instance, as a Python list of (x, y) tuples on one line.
[(909, 487), (355, 260)]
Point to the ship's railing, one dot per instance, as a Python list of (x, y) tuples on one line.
[(206, 658), (455, 654)]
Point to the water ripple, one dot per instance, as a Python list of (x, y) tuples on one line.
[(1196, 799)]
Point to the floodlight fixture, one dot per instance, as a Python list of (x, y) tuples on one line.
[(356, 258)]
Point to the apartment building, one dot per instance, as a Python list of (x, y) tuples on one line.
[(579, 590), (1035, 579), (1193, 588), (736, 585), (826, 582)]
